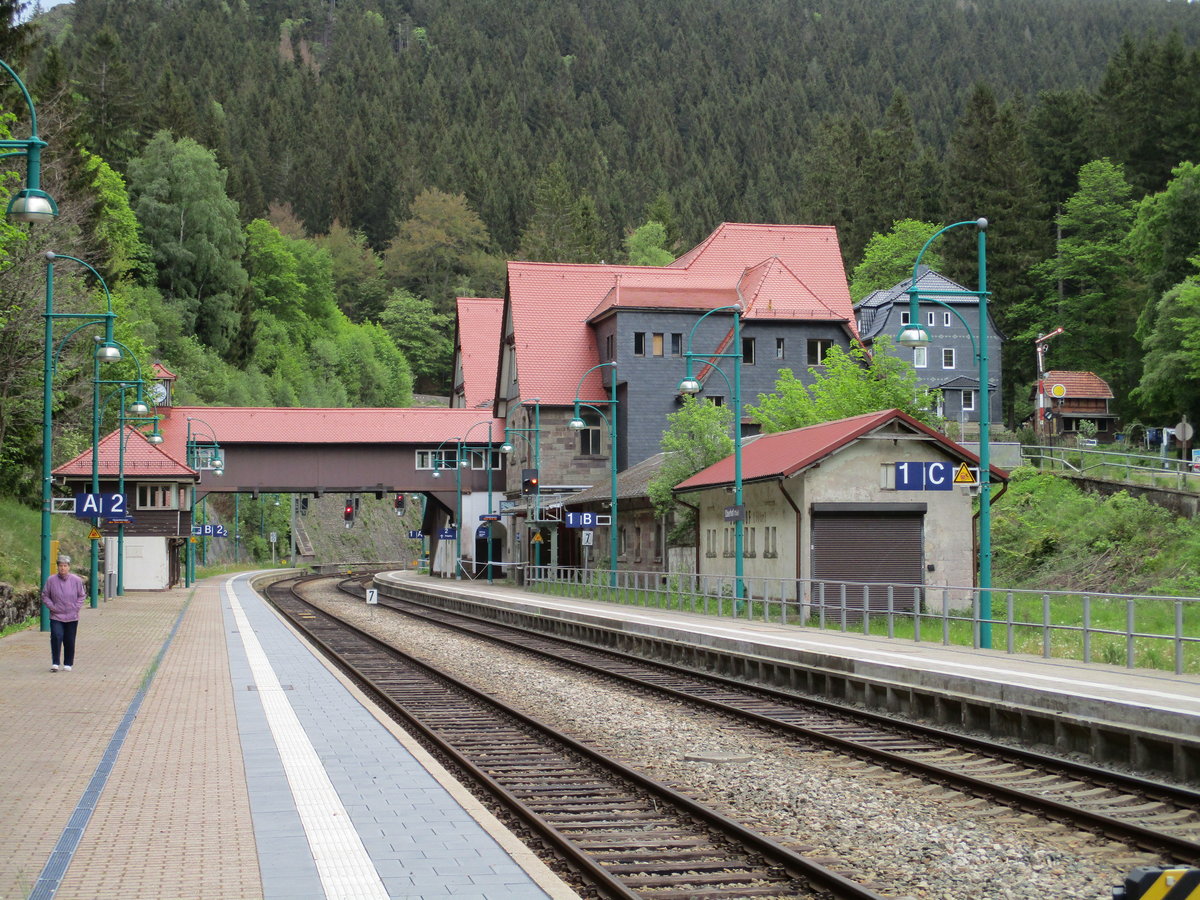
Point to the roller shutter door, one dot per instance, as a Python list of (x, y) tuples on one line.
[(864, 552)]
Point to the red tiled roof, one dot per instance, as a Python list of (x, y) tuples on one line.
[(480, 320), (230, 425), (1080, 385), (142, 459), (790, 271), (787, 452), (159, 371)]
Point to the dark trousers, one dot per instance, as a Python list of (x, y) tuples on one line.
[(62, 634)]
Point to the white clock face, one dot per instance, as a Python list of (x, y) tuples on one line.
[(159, 392)]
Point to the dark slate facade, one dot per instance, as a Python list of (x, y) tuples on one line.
[(948, 363), (650, 368)]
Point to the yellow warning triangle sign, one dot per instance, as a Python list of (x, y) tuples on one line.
[(964, 475), (537, 538), (95, 535)]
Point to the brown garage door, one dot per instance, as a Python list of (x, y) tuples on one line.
[(857, 553)]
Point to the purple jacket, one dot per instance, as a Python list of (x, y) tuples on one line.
[(64, 597)]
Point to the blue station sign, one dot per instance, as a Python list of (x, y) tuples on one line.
[(942, 475), (101, 506), (210, 531), (586, 520)]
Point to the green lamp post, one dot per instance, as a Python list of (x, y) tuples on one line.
[(578, 424), (915, 335), (203, 457), (31, 203), (106, 351), (691, 385), (534, 445)]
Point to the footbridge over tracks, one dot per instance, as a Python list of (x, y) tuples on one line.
[(318, 451)]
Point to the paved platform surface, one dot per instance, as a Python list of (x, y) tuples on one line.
[(199, 749), (1134, 699)]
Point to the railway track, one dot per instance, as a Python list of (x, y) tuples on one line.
[(1161, 818), (623, 833)]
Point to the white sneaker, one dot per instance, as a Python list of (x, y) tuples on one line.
[(66, 668), (54, 668)]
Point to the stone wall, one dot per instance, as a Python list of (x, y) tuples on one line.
[(16, 606)]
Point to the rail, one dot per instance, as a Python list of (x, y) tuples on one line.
[(1157, 632), (1134, 468)]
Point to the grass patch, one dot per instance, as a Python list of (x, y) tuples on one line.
[(21, 542), (31, 622)]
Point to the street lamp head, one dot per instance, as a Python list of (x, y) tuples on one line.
[(138, 408), (689, 385), (108, 353), (506, 447), (155, 437), (437, 473), (913, 336), (32, 205), (218, 471), (577, 424)]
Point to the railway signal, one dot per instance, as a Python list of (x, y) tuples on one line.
[(348, 515), (399, 504), (529, 481)]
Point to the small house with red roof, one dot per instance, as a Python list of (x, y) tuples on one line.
[(849, 505), (157, 486), (1068, 399)]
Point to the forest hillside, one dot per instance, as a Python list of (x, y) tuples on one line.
[(285, 198)]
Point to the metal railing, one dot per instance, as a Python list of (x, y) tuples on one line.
[(1117, 629), (1153, 471)]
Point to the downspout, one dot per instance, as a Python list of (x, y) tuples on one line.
[(975, 528)]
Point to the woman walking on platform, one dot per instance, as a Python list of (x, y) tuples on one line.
[(63, 595)]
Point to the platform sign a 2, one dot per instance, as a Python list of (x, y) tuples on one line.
[(101, 506)]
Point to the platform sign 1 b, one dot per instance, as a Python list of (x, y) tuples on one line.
[(586, 520)]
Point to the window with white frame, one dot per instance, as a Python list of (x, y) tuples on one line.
[(920, 357), (589, 438), (946, 319), (639, 343), (622, 541), (677, 343), (904, 317), (157, 496), (968, 400), (947, 357), (817, 348), (656, 344), (779, 348), (475, 458), (748, 351), (930, 319)]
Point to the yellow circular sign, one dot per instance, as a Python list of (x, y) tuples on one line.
[(1058, 390)]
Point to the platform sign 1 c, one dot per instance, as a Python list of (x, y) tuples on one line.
[(925, 476)]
